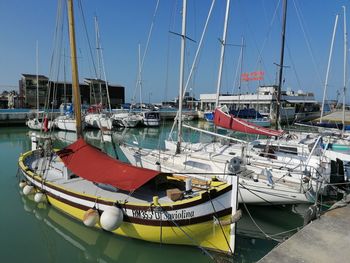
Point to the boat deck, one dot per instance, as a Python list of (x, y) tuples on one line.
[(53, 172)]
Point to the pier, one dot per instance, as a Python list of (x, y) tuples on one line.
[(18, 116), (336, 117), (326, 239)]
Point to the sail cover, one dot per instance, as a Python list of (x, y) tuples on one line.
[(227, 121), (90, 163)]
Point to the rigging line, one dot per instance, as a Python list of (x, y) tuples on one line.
[(239, 68), (168, 216), (260, 50), (141, 62), (194, 64), (171, 24), (57, 34), (300, 19), (254, 222), (58, 39), (149, 34), (54, 43), (87, 35), (104, 70), (218, 220), (293, 67)]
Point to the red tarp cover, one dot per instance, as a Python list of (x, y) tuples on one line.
[(227, 121), (90, 163)]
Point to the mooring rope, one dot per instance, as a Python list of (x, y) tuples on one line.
[(168, 216), (218, 220), (254, 222)]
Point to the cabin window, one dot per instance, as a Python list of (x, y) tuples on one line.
[(199, 165)]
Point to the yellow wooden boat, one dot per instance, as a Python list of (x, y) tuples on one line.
[(102, 192)]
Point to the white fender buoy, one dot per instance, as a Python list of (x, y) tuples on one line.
[(28, 189), (39, 197), (91, 217), (22, 184), (111, 218)]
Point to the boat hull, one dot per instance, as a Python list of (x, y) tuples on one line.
[(35, 124), (251, 192), (168, 224), (98, 121)]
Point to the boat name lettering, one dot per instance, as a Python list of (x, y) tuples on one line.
[(183, 214), (157, 215)]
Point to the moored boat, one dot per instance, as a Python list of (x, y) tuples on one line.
[(131, 201), (100, 191)]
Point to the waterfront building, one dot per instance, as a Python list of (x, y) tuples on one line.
[(92, 90), (264, 101)]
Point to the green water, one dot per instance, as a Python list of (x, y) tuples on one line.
[(38, 233)]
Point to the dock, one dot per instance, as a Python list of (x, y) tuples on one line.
[(19, 116), (336, 117), (325, 239)]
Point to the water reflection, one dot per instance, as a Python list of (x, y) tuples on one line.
[(277, 222), (99, 246)]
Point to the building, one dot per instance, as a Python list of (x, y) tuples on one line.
[(53, 94), (265, 101), (188, 102)]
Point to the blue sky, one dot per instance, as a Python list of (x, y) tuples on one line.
[(125, 24)]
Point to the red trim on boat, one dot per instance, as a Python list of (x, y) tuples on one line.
[(227, 121)]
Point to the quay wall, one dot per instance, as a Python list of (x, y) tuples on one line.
[(19, 116)]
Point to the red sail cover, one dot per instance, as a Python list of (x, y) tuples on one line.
[(227, 121), (90, 163)]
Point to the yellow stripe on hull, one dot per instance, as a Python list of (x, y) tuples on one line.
[(206, 234)]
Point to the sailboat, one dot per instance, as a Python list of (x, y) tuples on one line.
[(35, 123), (332, 124), (257, 185), (100, 191), (95, 118)]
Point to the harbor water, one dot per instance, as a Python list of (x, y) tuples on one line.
[(39, 233)]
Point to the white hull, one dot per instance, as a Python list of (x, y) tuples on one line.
[(127, 119), (151, 122), (260, 192), (333, 155), (66, 123), (151, 118), (35, 124), (98, 121)]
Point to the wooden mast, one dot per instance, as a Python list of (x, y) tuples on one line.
[(75, 80)]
